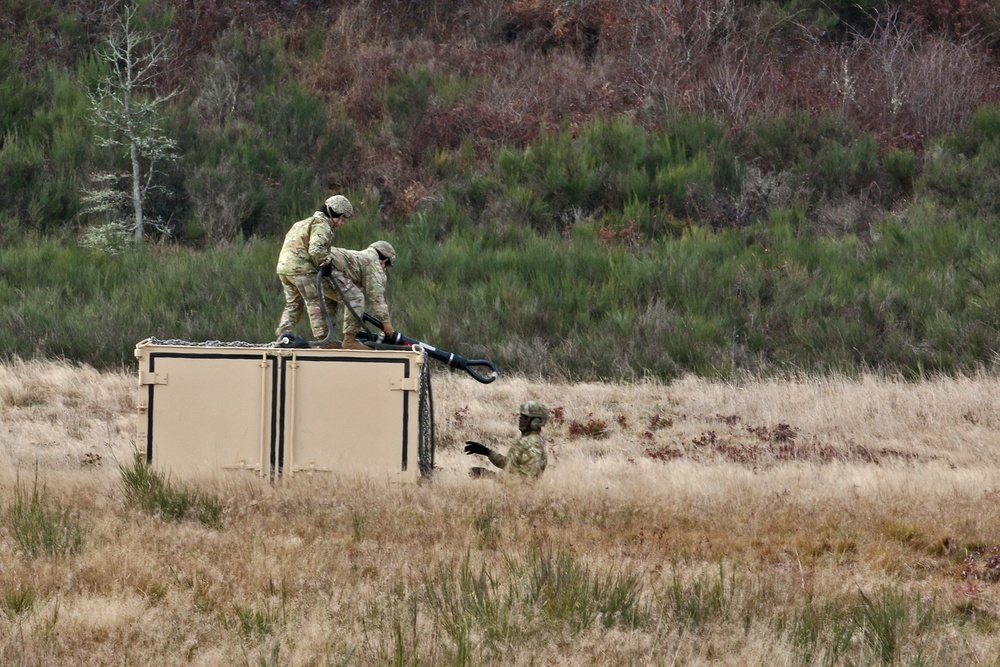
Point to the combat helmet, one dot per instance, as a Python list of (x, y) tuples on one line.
[(385, 249), (341, 205), (535, 410)]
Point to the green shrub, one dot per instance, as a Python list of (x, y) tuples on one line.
[(612, 145), (962, 171), (148, 490), (22, 165), (46, 145), (19, 94), (17, 602), (623, 295), (40, 525), (463, 598), (821, 632), (827, 154), (690, 134), (985, 124), (608, 164), (840, 168), (569, 593), (255, 624), (294, 120), (338, 144), (885, 618), (702, 600), (902, 166), (541, 589), (409, 99), (674, 186)]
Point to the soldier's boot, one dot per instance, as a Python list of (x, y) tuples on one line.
[(332, 345), (351, 342)]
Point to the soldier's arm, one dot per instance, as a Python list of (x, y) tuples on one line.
[(497, 459), (320, 241)]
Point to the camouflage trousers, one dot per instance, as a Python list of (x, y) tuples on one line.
[(301, 295)]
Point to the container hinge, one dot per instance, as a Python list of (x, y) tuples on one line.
[(405, 384), (146, 377)]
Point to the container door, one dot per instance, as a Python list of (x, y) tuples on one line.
[(350, 413), (209, 412)]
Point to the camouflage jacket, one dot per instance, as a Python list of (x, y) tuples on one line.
[(307, 246), (527, 456), (362, 268)]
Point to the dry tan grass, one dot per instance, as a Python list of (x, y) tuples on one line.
[(888, 486)]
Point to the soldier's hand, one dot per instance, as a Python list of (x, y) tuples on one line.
[(473, 447), (326, 270)]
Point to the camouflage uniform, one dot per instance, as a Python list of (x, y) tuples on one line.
[(527, 457), (308, 246), (367, 280)]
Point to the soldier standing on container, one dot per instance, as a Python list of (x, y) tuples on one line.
[(306, 252), (366, 271), (528, 456)]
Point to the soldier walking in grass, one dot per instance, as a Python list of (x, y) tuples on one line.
[(528, 456), (305, 253), (366, 271)]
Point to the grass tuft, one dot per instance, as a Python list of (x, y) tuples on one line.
[(148, 490), (701, 601), (487, 528), (40, 525), (18, 601)]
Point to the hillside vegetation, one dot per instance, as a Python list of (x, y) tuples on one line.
[(585, 189)]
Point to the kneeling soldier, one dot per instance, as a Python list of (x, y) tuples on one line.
[(527, 456)]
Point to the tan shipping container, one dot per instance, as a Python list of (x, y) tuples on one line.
[(276, 412)]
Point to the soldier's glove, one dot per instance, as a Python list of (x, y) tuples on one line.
[(326, 270), (472, 447)]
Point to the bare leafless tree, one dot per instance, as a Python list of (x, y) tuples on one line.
[(128, 112)]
